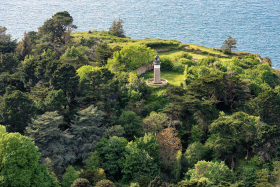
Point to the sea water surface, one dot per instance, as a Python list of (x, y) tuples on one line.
[(254, 23)]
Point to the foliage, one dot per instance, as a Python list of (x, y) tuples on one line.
[(16, 110), (194, 153), (131, 57), (131, 124), (75, 57), (232, 135), (24, 47), (8, 62), (105, 183), (103, 53), (166, 63), (154, 123), (80, 182), (54, 144), (7, 45), (65, 78), (117, 28), (265, 105), (42, 177), (143, 180), (169, 144), (69, 176), (96, 83), (267, 143), (57, 26), (262, 178), (156, 182), (87, 130), (116, 130), (214, 171), (229, 45), (19, 159), (113, 155), (138, 162), (93, 176), (94, 161)]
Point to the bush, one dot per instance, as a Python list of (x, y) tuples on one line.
[(178, 68), (166, 63), (116, 130), (142, 180), (69, 177), (105, 183), (184, 55), (185, 61), (81, 183)]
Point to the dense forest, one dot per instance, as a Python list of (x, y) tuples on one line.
[(74, 112)]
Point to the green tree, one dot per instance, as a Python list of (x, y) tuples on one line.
[(229, 44), (16, 110), (131, 57), (8, 63), (42, 177), (56, 100), (194, 153), (18, 160), (103, 53), (154, 123), (57, 26), (131, 124), (265, 105), (232, 135), (24, 47), (69, 176), (267, 143), (87, 130), (53, 143), (117, 28), (215, 172), (7, 45), (138, 162), (75, 57), (66, 78), (113, 155), (94, 161), (96, 83)]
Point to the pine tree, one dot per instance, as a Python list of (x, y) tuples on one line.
[(87, 130), (229, 44), (117, 28), (52, 143)]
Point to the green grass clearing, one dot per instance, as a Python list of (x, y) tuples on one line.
[(172, 77), (207, 49)]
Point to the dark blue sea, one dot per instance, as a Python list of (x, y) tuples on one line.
[(254, 23)]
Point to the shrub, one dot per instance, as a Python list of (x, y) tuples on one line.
[(69, 177), (166, 63), (116, 130), (105, 183), (185, 61), (178, 68), (81, 183), (142, 180)]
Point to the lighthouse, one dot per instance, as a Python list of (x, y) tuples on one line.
[(157, 63)]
